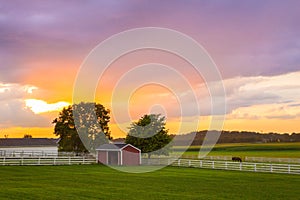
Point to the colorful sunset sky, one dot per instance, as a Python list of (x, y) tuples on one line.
[(255, 45)]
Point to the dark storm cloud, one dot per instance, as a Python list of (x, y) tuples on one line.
[(244, 38)]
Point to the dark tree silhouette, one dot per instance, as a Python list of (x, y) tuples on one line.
[(27, 136), (92, 128), (150, 135)]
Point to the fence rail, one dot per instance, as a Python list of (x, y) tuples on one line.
[(46, 160), (247, 159), (35, 153), (227, 165), (207, 157)]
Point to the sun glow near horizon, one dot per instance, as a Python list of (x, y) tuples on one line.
[(40, 106), (276, 111)]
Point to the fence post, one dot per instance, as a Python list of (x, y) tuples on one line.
[(200, 163), (255, 167), (4, 161), (22, 161), (189, 163), (54, 161), (226, 165), (213, 164), (271, 168), (241, 166), (39, 160), (69, 160), (178, 163), (83, 160), (289, 168)]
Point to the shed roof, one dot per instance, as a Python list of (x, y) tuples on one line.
[(28, 142), (114, 147)]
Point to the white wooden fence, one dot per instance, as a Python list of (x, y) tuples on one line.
[(207, 157), (42, 153), (208, 164), (247, 159), (227, 165), (71, 160)]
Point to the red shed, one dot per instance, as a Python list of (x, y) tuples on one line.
[(118, 154)]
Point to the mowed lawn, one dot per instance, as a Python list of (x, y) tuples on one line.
[(100, 182)]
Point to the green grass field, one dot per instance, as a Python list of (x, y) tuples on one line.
[(279, 150), (100, 182)]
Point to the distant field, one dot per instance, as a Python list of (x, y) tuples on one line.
[(100, 182), (282, 150)]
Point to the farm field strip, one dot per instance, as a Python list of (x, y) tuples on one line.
[(270, 150)]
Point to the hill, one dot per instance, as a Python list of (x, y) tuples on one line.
[(238, 137)]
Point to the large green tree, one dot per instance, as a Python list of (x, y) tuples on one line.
[(91, 128), (150, 135)]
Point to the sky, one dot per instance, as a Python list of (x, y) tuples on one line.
[(255, 45)]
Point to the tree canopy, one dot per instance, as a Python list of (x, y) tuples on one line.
[(150, 135), (89, 126)]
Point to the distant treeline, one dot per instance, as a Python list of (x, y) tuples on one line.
[(238, 137)]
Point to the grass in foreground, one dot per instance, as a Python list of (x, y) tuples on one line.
[(100, 182)]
